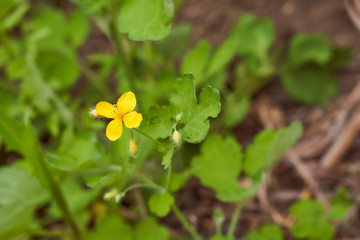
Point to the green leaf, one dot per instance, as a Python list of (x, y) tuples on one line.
[(20, 195), (311, 222), (148, 229), (196, 60), (310, 83), (194, 123), (76, 197), (11, 132), (219, 166), (79, 28), (158, 121), (235, 111), (269, 146), (160, 204), (59, 69), (179, 37), (222, 55), (146, 20), (15, 17), (266, 232), (340, 204), (220, 237), (309, 48), (255, 36), (110, 227)]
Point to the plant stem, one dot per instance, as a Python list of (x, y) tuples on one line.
[(169, 176), (186, 223), (234, 220), (151, 138), (146, 179)]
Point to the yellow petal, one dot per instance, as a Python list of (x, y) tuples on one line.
[(114, 129), (133, 119), (126, 102), (106, 109)]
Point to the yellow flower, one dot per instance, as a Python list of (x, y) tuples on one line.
[(121, 111)]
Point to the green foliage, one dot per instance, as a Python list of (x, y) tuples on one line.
[(110, 227), (340, 204), (266, 232), (160, 204), (20, 194), (311, 221), (148, 229), (308, 73), (11, 131), (144, 20), (269, 146), (194, 123)]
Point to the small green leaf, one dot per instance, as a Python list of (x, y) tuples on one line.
[(309, 48), (311, 222), (340, 204), (194, 123), (146, 20), (148, 229), (20, 194), (110, 227), (79, 28), (235, 111), (266, 232), (160, 204), (196, 60), (255, 36), (269, 146), (310, 83)]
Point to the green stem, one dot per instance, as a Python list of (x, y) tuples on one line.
[(186, 223), (146, 179), (139, 185), (151, 138), (169, 176), (234, 220)]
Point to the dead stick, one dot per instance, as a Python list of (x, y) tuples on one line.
[(343, 142)]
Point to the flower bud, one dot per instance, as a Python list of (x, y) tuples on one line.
[(133, 147), (178, 117), (176, 137), (94, 113), (114, 195)]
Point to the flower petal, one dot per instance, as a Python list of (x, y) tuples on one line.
[(114, 129), (133, 119), (106, 109), (126, 102)]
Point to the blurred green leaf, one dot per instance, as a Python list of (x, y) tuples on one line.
[(309, 84), (194, 123), (223, 55), (235, 111), (167, 157), (161, 203), (110, 227), (11, 131), (179, 36), (15, 16), (255, 36), (220, 237), (79, 28), (311, 222), (148, 229), (266, 232), (145, 20), (20, 195), (196, 60), (340, 204), (306, 48), (76, 197), (269, 146)]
